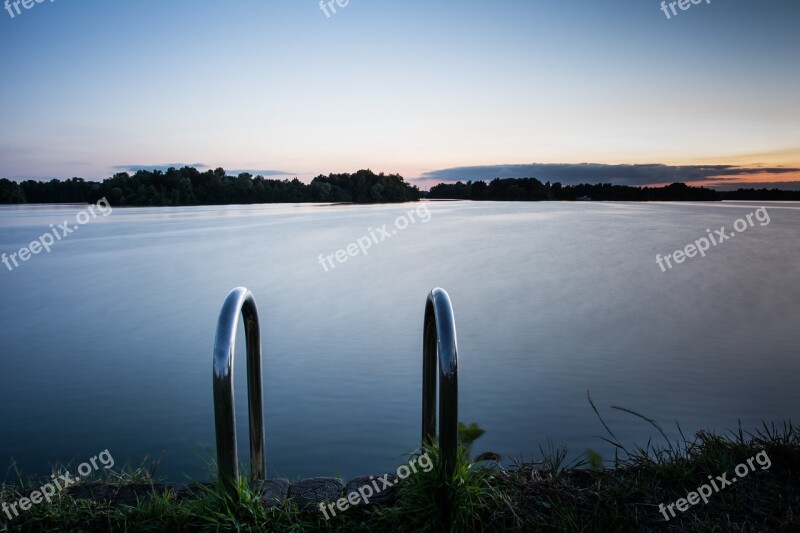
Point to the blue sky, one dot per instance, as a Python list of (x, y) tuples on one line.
[(415, 87)]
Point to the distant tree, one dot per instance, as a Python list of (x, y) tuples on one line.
[(761, 195), (11, 192), (451, 191), (531, 189), (479, 191), (367, 187)]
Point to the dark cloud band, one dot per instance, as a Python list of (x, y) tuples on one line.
[(571, 174)]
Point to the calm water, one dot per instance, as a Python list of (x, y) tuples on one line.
[(107, 339)]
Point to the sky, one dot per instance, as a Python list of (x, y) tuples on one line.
[(435, 90)]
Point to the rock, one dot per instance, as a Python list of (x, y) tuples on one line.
[(309, 493), (132, 494), (382, 496), (192, 490), (274, 492), (93, 490), (116, 495)]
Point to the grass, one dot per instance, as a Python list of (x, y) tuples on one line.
[(627, 495), (546, 495)]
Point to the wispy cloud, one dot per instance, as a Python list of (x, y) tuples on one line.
[(257, 172), (152, 168), (203, 167), (628, 174)]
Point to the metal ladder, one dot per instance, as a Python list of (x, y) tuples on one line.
[(439, 339)]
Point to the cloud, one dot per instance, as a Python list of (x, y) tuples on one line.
[(200, 166), (256, 172), (629, 174), (153, 168)]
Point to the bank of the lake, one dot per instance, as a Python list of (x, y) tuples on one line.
[(739, 482)]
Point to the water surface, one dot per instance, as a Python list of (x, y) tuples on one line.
[(107, 340)]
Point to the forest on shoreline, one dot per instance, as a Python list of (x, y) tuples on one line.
[(531, 189), (189, 186)]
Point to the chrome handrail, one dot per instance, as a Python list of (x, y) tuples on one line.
[(439, 339), (440, 346), (239, 300)]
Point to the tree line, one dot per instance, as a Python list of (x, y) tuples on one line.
[(531, 189), (188, 186)]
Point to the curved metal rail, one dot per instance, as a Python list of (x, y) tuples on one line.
[(440, 344), (240, 300)]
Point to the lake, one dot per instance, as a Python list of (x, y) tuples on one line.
[(107, 339)]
